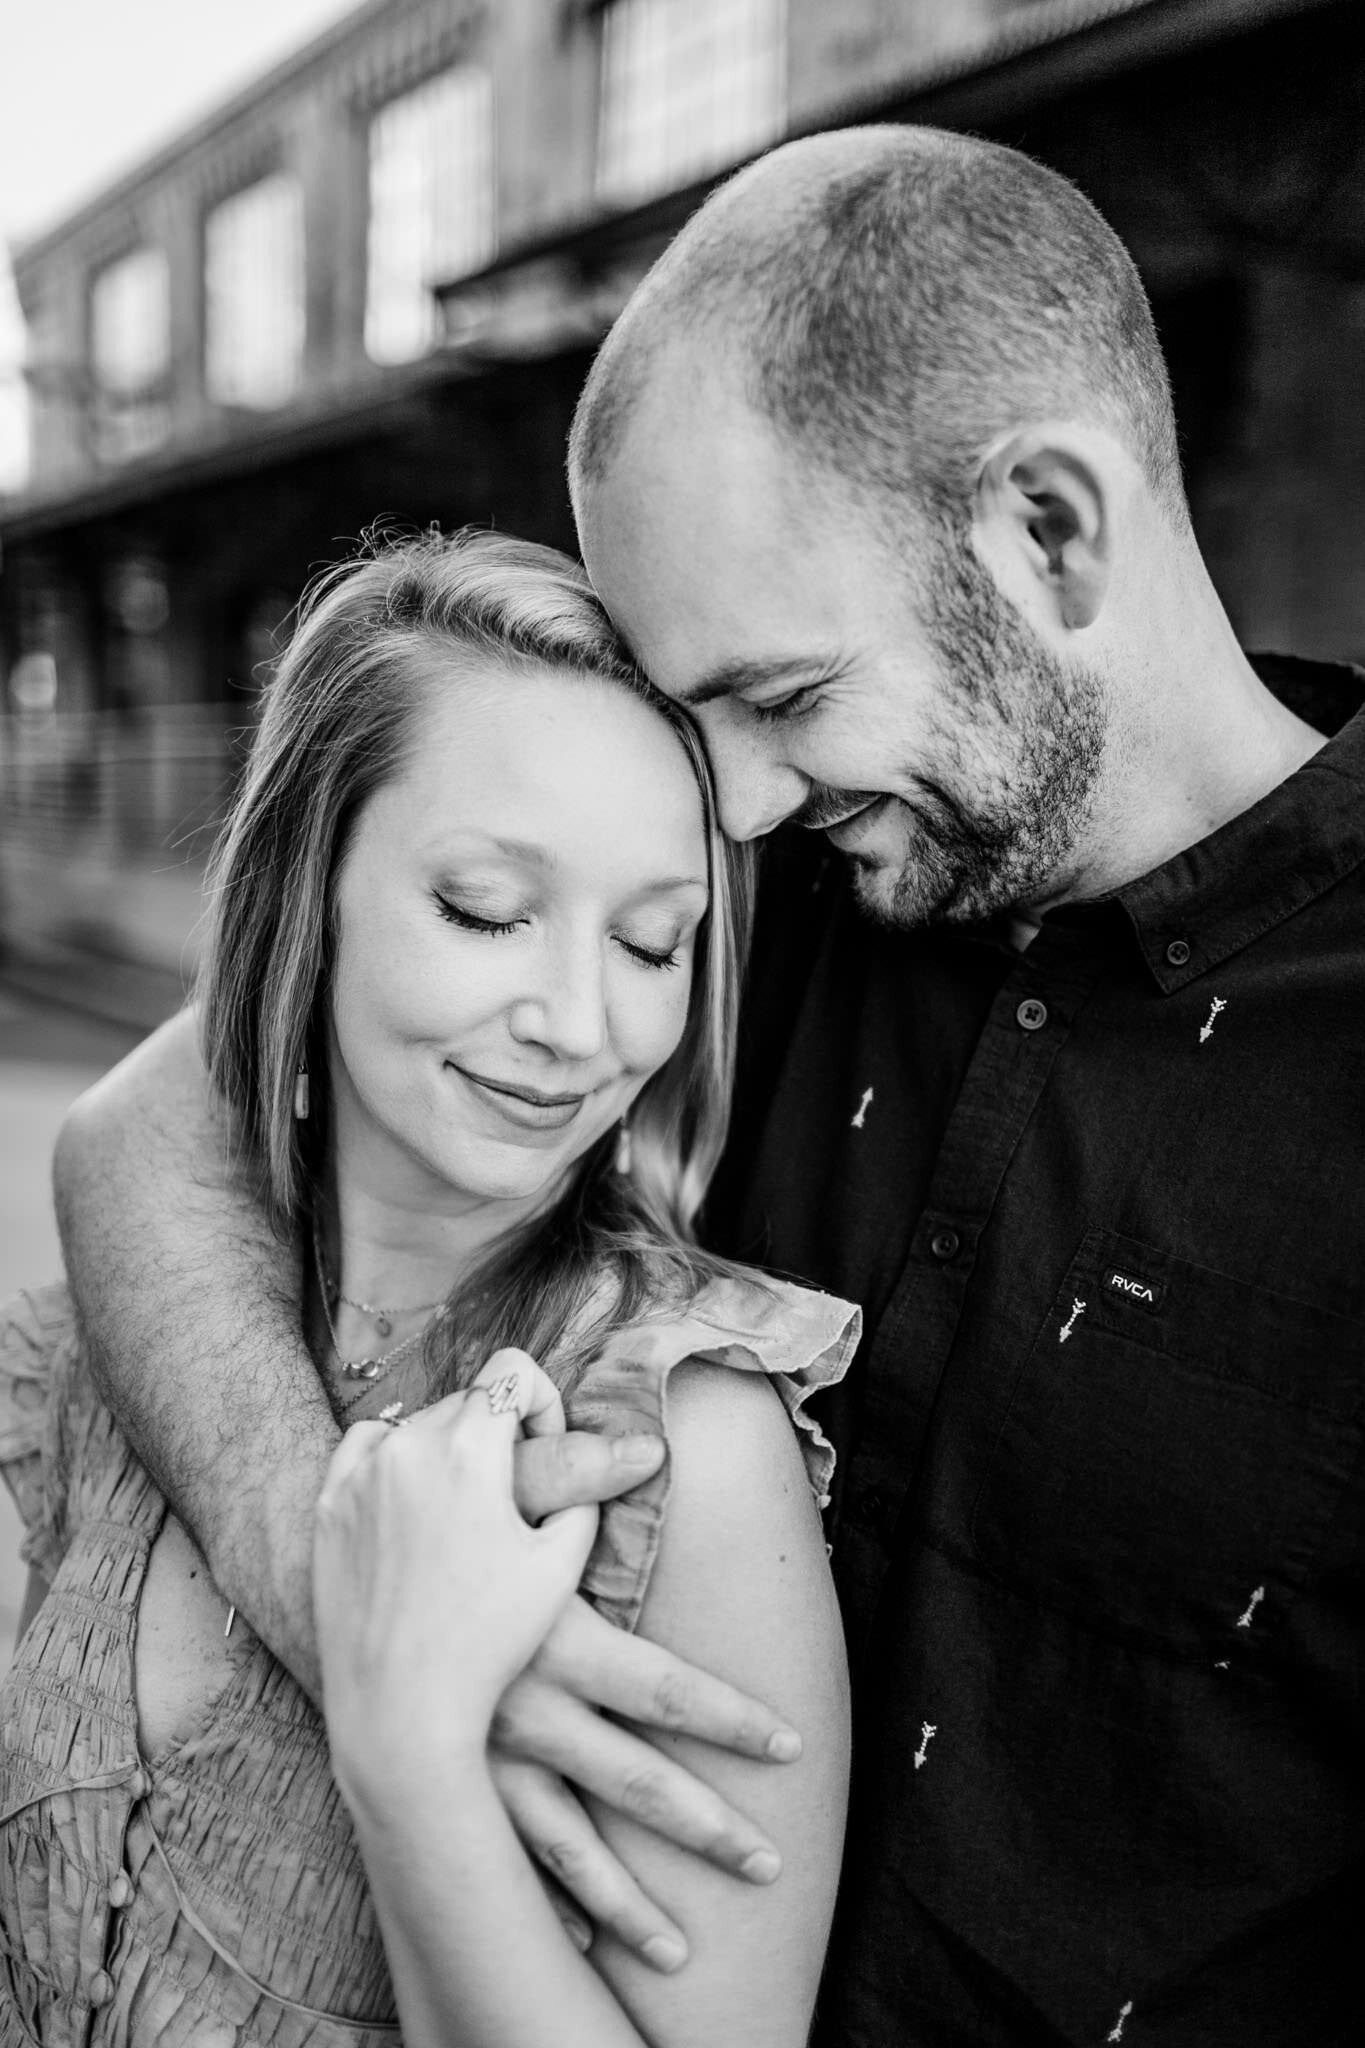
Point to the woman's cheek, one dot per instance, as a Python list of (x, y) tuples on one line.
[(453, 984), (663, 1017)]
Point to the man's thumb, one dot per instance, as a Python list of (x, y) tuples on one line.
[(580, 1469)]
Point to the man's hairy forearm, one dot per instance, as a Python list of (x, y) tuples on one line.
[(190, 1308)]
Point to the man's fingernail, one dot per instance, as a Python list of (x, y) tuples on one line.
[(662, 1952), (637, 1450), (785, 1746), (761, 1866), (580, 1934)]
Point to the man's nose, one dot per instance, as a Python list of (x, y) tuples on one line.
[(754, 793)]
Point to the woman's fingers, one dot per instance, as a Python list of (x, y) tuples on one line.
[(540, 1723), (514, 1382), (561, 1838), (568, 1536), (451, 1593), (355, 1447)]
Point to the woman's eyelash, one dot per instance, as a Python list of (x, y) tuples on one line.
[(469, 920), (795, 706), (648, 959)]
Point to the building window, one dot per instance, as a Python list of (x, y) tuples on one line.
[(130, 322), (687, 86), (432, 213), (254, 294), (130, 353)]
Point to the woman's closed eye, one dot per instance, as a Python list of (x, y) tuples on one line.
[(470, 920), (668, 954), (650, 956)]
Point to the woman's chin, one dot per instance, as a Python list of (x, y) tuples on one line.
[(498, 1173)]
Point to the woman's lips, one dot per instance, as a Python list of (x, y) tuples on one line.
[(529, 1108)]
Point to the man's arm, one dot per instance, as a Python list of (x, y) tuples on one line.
[(190, 1306)]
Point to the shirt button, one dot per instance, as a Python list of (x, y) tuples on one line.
[(945, 1244), (120, 1890), (1031, 1015), (101, 1988), (1178, 952)]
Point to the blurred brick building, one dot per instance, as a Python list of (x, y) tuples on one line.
[(370, 287)]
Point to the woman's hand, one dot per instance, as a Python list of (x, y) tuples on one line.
[(430, 1591)]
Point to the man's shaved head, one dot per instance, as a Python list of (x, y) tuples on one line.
[(891, 300), (877, 474)]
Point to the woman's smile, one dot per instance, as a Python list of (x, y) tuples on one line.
[(529, 1108)]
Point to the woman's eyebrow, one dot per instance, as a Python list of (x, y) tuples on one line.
[(529, 853), (526, 850), (668, 885), (473, 842)]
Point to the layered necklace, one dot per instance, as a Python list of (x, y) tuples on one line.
[(368, 1368)]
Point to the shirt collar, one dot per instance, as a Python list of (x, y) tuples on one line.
[(1218, 895)]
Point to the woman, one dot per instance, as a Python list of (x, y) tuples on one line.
[(469, 993)]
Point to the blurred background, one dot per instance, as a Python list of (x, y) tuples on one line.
[(279, 269)]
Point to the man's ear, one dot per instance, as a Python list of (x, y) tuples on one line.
[(1044, 517)]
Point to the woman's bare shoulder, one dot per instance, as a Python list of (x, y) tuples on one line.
[(741, 1587), (741, 1516)]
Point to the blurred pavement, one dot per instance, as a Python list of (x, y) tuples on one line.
[(49, 1053)]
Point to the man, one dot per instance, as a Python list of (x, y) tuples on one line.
[(1057, 1070)]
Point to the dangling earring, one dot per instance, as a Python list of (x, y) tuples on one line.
[(301, 1093), (623, 1147)]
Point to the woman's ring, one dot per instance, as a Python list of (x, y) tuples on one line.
[(502, 1395)]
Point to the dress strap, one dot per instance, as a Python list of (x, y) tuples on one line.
[(801, 1341)]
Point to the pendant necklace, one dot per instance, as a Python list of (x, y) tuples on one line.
[(366, 1368), (385, 1318)]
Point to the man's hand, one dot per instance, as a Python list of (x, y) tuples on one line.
[(551, 1738), (579, 1469)]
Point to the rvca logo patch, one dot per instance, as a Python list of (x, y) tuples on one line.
[(1148, 1294)]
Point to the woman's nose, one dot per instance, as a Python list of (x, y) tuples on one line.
[(567, 1009)]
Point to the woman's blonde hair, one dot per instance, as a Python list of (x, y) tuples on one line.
[(339, 717)]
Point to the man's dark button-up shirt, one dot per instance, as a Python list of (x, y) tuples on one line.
[(1098, 1530)]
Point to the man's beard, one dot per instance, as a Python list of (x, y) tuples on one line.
[(1019, 752)]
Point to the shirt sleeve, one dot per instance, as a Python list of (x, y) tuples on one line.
[(799, 1339), (37, 1332)]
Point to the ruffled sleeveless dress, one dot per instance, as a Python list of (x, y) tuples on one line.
[(212, 1894)]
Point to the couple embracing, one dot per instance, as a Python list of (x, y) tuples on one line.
[(1015, 1225)]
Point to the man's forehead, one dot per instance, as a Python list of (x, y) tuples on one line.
[(687, 408), (706, 487)]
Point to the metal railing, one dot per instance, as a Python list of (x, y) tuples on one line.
[(105, 822), (126, 784)]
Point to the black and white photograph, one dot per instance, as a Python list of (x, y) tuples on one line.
[(682, 1024)]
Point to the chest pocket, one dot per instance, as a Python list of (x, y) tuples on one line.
[(1175, 1453)]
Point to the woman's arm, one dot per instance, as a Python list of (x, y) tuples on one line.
[(742, 1583)]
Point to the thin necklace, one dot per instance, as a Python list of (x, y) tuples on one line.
[(359, 1368), (383, 1318)]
